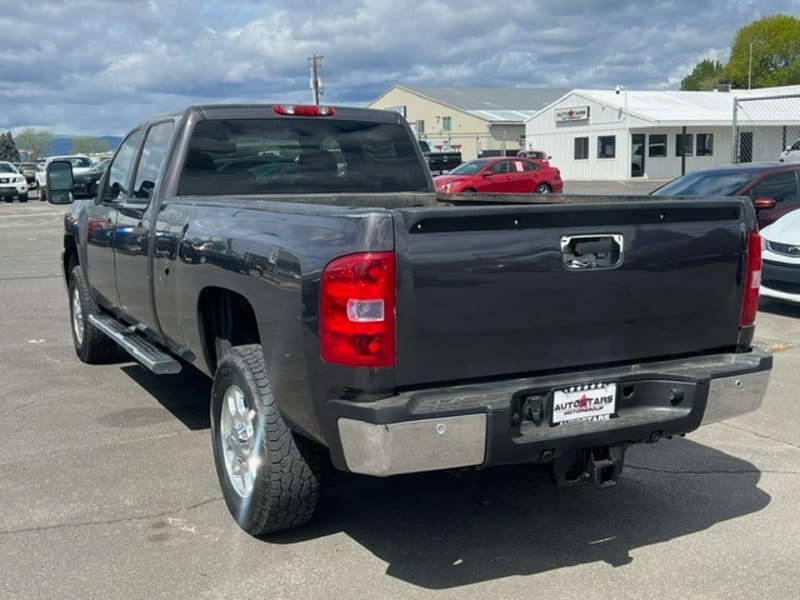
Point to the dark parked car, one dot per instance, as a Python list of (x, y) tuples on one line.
[(500, 175), (774, 188), (86, 183), (28, 169)]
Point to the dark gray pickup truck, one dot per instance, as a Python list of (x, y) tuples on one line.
[(299, 256)]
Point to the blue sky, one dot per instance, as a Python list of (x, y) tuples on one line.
[(97, 67)]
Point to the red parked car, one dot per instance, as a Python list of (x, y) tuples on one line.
[(500, 175)]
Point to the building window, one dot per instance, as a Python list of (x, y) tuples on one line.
[(684, 144), (657, 144), (447, 123), (420, 126), (581, 148), (606, 146), (705, 144)]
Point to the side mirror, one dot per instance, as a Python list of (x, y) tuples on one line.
[(764, 203), (59, 182)]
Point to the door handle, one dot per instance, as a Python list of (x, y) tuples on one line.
[(586, 252)]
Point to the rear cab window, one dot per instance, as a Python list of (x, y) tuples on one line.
[(300, 156)]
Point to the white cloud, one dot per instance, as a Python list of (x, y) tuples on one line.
[(99, 66)]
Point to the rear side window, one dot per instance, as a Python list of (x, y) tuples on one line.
[(153, 153), (300, 156)]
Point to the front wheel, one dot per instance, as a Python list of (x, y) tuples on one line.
[(91, 345), (269, 474), (542, 188), (23, 197), (42, 193)]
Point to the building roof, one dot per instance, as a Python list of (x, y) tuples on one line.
[(668, 107), (506, 105)]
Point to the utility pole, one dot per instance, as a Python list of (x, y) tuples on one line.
[(750, 67), (316, 83)]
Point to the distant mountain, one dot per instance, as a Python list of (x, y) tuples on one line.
[(62, 144)]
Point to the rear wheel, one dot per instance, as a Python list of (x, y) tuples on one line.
[(42, 193), (91, 344), (542, 188), (269, 474)]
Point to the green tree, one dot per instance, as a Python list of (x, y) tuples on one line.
[(36, 142), (705, 76), (89, 145), (776, 53), (8, 149)]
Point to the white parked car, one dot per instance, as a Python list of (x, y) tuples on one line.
[(780, 272), (792, 153), (80, 164), (12, 183)]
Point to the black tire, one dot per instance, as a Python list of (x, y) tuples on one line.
[(542, 188), (285, 481), (468, 191), (23, 197), (9, 199), (92, 346), (43, 193)]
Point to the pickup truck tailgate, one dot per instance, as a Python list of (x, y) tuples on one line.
[(499, 290)]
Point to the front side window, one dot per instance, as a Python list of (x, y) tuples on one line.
[(116, 189), (657, 145), (499, 167), (684, 144), (780, 186), (581, 148), (606, 146), (153, 153), (705, 144)]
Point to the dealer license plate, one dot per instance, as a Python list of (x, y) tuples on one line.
[(592, 402)]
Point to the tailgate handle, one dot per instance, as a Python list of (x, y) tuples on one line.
[(583, 252)]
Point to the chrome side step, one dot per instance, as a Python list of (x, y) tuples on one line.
[(151, 357)]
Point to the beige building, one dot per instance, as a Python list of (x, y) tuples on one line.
[(475, 121)]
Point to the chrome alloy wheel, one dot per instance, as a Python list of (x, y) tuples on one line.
[(237, 437), (77, 316)]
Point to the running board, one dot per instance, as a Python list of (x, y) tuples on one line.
[(151, 357)]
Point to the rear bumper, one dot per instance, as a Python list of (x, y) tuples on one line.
[(491, 423)]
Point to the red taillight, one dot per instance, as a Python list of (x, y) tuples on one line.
[(752, 280), (304, 110), (356, 325)]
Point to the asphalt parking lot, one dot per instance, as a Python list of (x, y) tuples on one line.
[(108, 490)]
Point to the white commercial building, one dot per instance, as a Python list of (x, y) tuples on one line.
[(621, 134)]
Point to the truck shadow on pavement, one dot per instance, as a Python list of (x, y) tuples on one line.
[(186, 395), (448, 529), (440, 531)]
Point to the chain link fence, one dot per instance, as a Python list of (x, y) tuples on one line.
[(763, 127)]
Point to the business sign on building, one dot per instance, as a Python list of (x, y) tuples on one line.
[(574, 113)]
